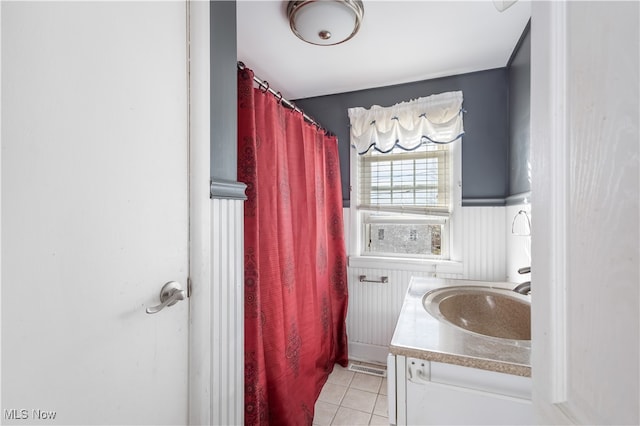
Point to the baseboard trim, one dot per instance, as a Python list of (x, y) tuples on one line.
[(373, 354)]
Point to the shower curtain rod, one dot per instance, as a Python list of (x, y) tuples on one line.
[(264, 86)]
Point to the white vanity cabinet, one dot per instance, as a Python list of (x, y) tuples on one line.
[(432, 393)]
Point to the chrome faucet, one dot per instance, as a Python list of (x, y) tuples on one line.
[(525, 287)]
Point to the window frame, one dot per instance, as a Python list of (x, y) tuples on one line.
[(358, 257)]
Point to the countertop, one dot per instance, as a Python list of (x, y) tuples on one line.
[(419, 335)]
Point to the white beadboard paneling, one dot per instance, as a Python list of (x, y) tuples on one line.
[(227, 307), (484, 243), (374, 308)]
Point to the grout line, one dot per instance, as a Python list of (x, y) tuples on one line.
[(370, 413), (334, 416)]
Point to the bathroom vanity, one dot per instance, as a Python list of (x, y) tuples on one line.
[(440, 373)]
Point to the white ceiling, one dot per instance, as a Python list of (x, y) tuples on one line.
[(399, 42)]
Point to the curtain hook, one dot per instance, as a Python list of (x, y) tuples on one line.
[(264, 84), (279, 95)]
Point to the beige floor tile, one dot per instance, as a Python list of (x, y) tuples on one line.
[(366, 382), (382, 406), (359, 400), (340, 376), (332, 393), (384, 386), (324, 413), (379, 420), (349, 417)]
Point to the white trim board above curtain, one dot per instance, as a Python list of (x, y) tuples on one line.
[(436, 118)]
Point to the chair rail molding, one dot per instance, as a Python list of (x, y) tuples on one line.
[(225, 189)]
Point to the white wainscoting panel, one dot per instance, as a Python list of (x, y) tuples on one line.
[(227, 312), (374, 308), (483, 242)]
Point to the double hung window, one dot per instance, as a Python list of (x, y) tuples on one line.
[(404, 201)]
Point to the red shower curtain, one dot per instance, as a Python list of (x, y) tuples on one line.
[(294, 255)]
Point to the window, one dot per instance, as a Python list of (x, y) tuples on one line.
[(404, 201), (405, 171)]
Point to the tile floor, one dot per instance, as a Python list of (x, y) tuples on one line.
[(350, 398)]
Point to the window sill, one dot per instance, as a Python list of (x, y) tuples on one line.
[(417, 265)]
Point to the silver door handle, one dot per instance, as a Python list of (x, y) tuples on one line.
[(170, 294)]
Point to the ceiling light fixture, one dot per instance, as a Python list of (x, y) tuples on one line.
[(325, 22)]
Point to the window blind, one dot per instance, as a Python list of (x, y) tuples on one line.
[(403, 181)]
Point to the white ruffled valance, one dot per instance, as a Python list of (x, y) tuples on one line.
[(437, 118)]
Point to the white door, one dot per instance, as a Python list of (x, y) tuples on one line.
[(585, 184), (94, 212)]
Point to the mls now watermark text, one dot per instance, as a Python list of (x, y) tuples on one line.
[(24, 414)]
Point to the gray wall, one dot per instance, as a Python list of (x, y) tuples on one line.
[(495, 147), (519, 110), (485, 145), (224, 88)]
